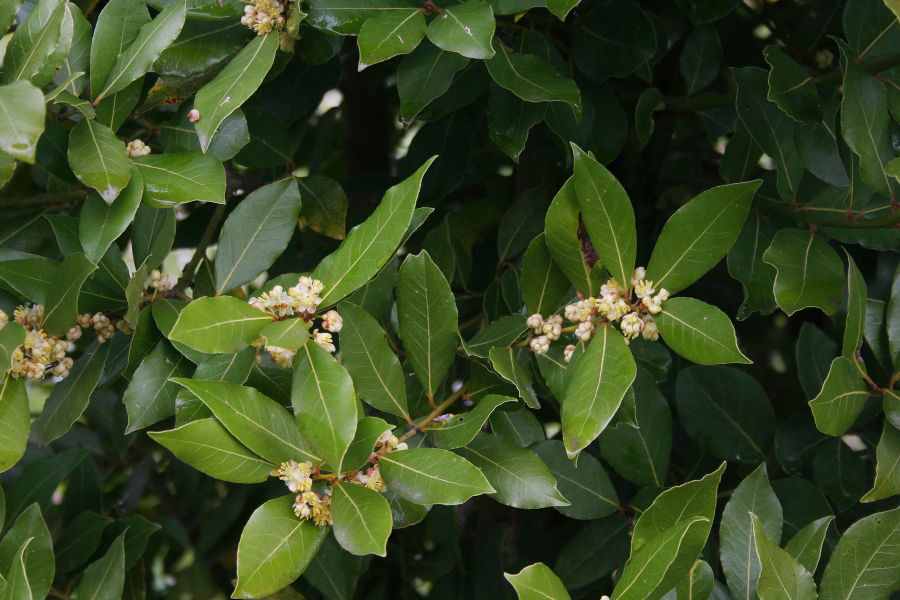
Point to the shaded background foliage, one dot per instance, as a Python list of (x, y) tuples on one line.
[(673, 100)]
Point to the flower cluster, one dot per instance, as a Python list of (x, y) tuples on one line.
[(101, 324), (262, 16), (161, 282), (311, 505), (634, 314), (41, 353), (137, 148)]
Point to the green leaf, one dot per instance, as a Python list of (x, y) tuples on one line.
[(372, 364), (258, 422), (737, 549), (222, 324), (362, 519), (745, 263), (809, 272), (233, 86), (686, 501), (324, 207), (21, 120), (518, 425), (368, 431), (432, 476), (770, 128), (391, 33), (150, 396), (151, 40), (61, 308), (504, 362), (37, 481), (697, 584), (104, 579), (532, 78), (370, 244), (98, 159), (537, 582), (14, 422), (461, 429), (12, 335), (502, 332), (233, 368), (521, 478), (465, 28), (543, 284), (564, 245), (34, 41), (658, 565), (345, 17), (275, 548), (70, 397), (101, 224), (790, 87), (806, 545), (855, 325), (650, 101), (780, 577), (118, 25), (814, 352), (561, 8), (607, 214), (79, 540), (587, 487), (700, 59), (887, 468), (152, 235), (256, 233), (597, 549), (595, 388), (324, 403), (17, 585), (698, 235), (699, 332), (427, 317), (866, 563), (614, 40), (425, 75), (510, 120), (841, 399), (725, 412), (332, 559), (288, 333), (175, 178), (208, 447), (37, 563)]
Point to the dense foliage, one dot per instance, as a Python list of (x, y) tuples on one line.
[(381, 298)]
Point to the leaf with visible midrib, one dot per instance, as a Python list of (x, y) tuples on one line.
[(843, 395), (104, 579), (362, 519), (432, 476), (220, 324), (21, 120), (781, 577), (808, 271), (537, 581), (533, 79), (99, 159), (699, 332)]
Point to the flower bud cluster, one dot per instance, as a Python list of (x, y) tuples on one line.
[(101, 324), (41, 353), (262, 16), (634, 314), (160, 281), (311, 505), (137, 148), (302, 299)]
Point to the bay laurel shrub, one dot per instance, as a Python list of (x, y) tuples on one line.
[(374, 299)]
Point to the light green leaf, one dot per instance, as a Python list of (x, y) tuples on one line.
[(61, 309), (12, 335), (537, 582), (595, 388), (288, 333), (324, 403), (465, 28), (699, 332), (151, 40), (38, 562), (561, 8), (70, 397), (275, 548), (561, 236), (806, 545), (175, 178), (368, 431), (809, 271), (425, 75), (371, 244), (855, 325), (391, 33), (99, 159), (843, 396), (780, 577), (208, 447), (504, 362), (432, 476), (521, 478), (258, 422), (587, 487), (150, 396), (256, 233), (21, 120), (607, 214), (698, 584), (233, 85), (427, 317), (222, 324), (532, 78), (16, 586), (866, 563), (118, 25), (372, 364), (737, 550), (362, 519), (14, 421), (104, 579), (543, 283), (887, 468), (101, 223), (461, 429), (34, 42), (698, 235)]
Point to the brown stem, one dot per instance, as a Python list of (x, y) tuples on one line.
[(438, 410), (187, 275)]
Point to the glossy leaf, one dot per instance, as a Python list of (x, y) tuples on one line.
[(98, 159), (275, 548), (537, 582), (101, 224), (223, 324), (176, 178), (324, 403), (15, 421), (699, 332), (854, 328), (841, 399), (790, 87), (461, 429), (152, 235), (809, 272), (34, 42), (104, 579), (806, 545), (21, 120), (324, 206), (150, 396), (532, 79), (61, 306), (586, 486), (389, 34), (543, 285), (425, 75), (432, 476), (12, 335), (36, 565), (887, 469), (781, 577), (504, 362), (698, 235), (118, 25), (502, 332), (465, 28), (362, 519), (564, 245)]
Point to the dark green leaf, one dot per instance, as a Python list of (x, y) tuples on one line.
[(150, 396), (324, 206), (14, 422), (389, 34), (587, 487), (790, 87), (461, 429), (532, 79), (465, 28), (98, 159), (176, 178), (104, 579), (841, 399), (700, 58)]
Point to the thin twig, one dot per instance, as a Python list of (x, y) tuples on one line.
[(187, 275)]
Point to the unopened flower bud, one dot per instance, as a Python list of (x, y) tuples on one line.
[(194, 115)]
